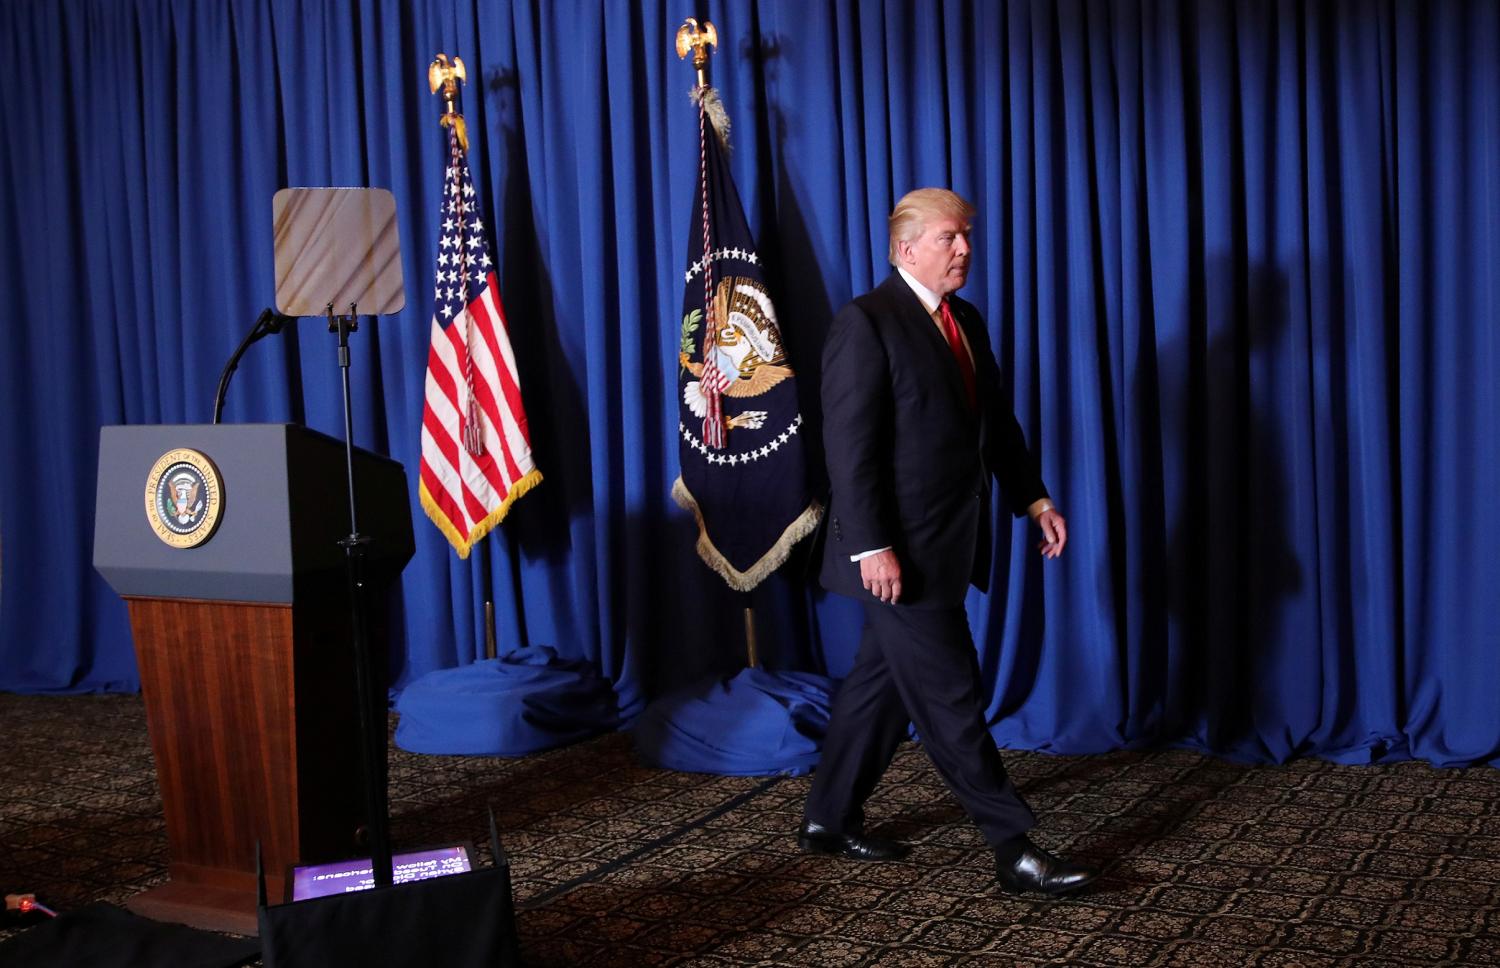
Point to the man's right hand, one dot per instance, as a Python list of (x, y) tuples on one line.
[(881, 574)]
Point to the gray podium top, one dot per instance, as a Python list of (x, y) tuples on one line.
[(285, 507)]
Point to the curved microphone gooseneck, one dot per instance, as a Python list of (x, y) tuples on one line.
[(268, 323)]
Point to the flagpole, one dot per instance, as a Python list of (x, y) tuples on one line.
[(752, 658), (698, 38), (444, 76), (486, 580)]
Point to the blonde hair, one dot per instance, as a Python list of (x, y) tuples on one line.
[(919, 207)]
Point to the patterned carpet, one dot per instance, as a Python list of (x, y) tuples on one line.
[(1207, 862)]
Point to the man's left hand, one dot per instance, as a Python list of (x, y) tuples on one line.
[(1054, 532)]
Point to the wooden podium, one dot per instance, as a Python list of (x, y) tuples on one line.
[(244, 647)]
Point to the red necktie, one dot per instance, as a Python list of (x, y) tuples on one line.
[(956, 344)]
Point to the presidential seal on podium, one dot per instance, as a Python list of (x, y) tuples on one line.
[(184, 498)]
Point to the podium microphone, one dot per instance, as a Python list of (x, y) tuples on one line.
[(268, 323)]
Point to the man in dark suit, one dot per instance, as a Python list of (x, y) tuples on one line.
[(915, 424)]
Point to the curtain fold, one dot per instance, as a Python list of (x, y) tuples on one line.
[(1239, 264)]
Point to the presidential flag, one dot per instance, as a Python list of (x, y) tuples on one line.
[(476, 450), (741, 432)]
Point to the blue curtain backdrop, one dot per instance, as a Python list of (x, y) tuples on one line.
[(1239, 262)]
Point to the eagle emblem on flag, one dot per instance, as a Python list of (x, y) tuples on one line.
[(747, 349)]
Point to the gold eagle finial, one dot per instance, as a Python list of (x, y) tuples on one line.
[(445, 74), (692, 37)]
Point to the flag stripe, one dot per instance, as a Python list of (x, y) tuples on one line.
[(438, 488), (469, 483), (497, 338), (448, 462), (513, 439), (450, 353), (496, 352), (486, 398)]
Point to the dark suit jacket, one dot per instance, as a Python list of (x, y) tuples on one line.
[(909, 461)]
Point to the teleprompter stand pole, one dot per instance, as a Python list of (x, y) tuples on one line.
[(371, 728)]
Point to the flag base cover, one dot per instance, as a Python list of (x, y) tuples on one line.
[(524, 701), (754, 723)]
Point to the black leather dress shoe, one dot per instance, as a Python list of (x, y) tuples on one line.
[(817, 839), (1033, 869)]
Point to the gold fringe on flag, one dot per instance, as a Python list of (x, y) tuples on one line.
[(481, 528), (742, 581)]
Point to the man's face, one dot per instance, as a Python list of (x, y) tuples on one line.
[(939, 257)]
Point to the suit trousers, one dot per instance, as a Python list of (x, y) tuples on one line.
[(918, 666)]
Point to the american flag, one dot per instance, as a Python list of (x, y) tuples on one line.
[(476, 450)]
